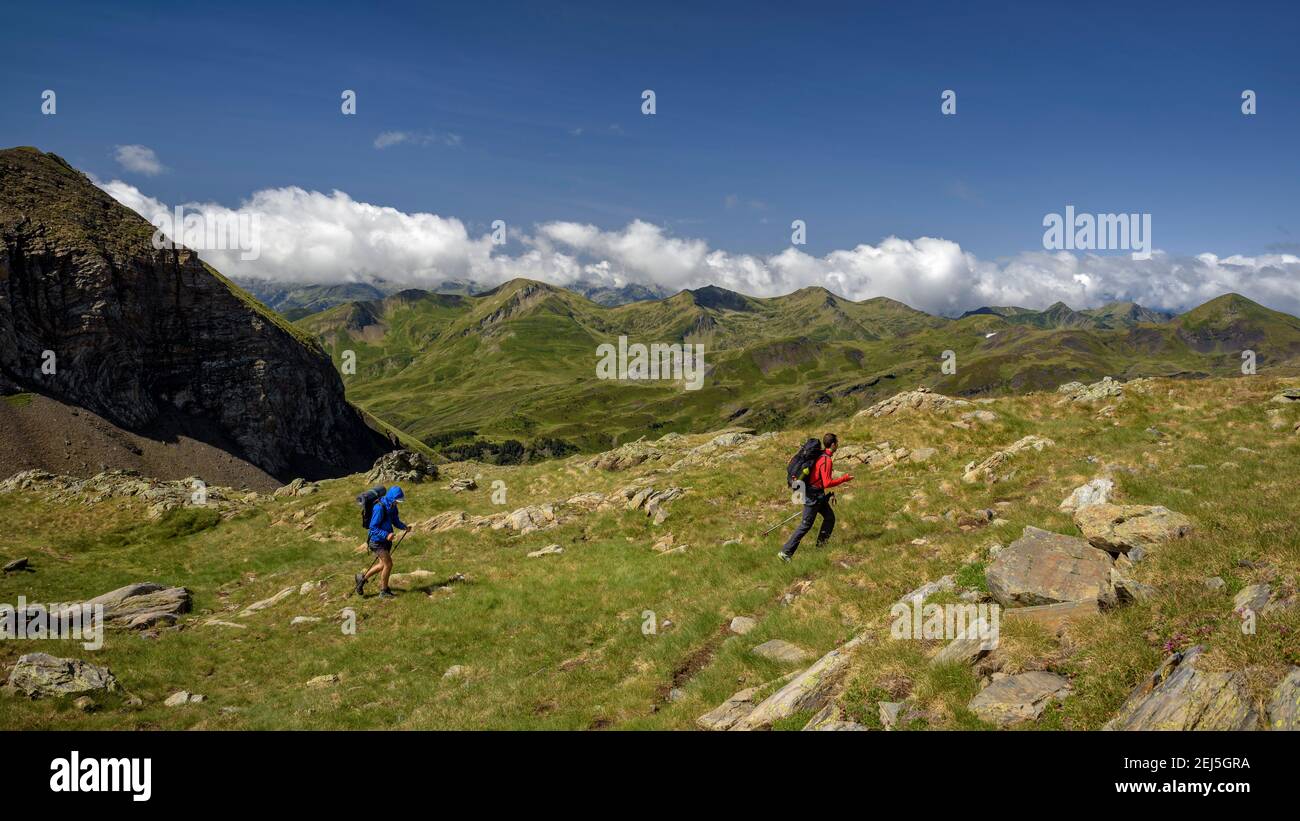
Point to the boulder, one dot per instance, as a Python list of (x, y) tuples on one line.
[(1042, 567), (528, 519), (1120, 528), (1095, 492), (1284, 706), (183, 697), (462, 484), (298, 487), (39, 674), (807, 691), (741, 625), (15, 565), (1179, 696), (1017, 698), (327, 680), (549, 550), (781, 651), (141, 605), (1288, 396), (972, 643)]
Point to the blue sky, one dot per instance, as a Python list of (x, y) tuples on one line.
[(828, 113)]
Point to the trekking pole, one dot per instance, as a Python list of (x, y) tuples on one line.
[(399, 541), (783, 521)]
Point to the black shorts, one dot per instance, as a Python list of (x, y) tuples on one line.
[(380, 547)]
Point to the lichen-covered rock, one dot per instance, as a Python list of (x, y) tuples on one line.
[(991, 469), (726, 714), (36, 675), (1017, 698), (1284, 706), (1180, 696), (402, 466), (1042, 567), (1095, 492), (1103, 389), (808, 691), (142, 605), (1120, 528), (921, 400)]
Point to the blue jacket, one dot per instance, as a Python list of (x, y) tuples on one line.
[(385, 518)]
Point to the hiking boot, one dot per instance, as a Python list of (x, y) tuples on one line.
[(386, 594), (781, 555), (360, 587)]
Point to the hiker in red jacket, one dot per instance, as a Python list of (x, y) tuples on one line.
[(817, 500)]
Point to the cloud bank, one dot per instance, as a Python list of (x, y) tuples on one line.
[(309, 236)]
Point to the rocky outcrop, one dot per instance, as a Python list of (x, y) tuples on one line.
[(1042, 567), (39, 674), (1078, 392), (1121, 528), (1019, 698), (152, 339), (883, 455), (403, 466), (991, 469), (1095, 492), (809, 691), (143, 605), (921, 400), (124, 484), (1180, 696)]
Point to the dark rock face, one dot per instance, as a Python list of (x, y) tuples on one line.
[(154, 340)]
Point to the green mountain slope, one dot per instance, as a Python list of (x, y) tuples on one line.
[(630, 626), (519, 361)]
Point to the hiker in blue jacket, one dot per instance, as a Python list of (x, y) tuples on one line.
[(382, 522)]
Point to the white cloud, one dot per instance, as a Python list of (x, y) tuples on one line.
[(138, 158), (388, 139), (309, 236)]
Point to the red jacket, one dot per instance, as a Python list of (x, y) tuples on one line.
[(821, 474)]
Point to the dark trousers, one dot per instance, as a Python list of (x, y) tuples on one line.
[(821, 505)]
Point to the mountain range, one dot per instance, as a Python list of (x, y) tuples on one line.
[(519, 361)]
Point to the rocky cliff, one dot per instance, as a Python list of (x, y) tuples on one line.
[(153, 340)]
